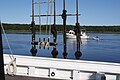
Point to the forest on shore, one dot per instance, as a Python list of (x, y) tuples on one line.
[(26, 28)]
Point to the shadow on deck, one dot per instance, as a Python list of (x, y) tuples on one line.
[(7, 77)]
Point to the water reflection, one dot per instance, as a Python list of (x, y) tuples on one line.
[(73, 42), (72, 46), (84, 41)]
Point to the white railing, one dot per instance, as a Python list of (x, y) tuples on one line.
[(64, 68)]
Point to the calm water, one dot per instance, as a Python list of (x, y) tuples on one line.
[(107, 49)]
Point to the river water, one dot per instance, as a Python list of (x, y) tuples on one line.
[(107, 49)]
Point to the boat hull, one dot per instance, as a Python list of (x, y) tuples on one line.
[(71, 36), (63, 68)]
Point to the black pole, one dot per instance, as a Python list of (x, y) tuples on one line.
[(64, 16), (78, 54), (2, 75), (54, 32), (33, 49), (78, 29), (55, 28)]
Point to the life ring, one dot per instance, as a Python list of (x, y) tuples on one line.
[(11, 70)]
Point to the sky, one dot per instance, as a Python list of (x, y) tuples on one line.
[(93, 12)]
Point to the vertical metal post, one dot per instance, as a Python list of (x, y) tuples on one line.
[(55, 28), (2, 75), (64, 16), (78, 54), (33, 49)]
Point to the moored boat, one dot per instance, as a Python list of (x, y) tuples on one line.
[(96, 38), (71, 34)]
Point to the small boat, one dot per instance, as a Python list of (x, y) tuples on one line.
[(71, 35), (96, 38)]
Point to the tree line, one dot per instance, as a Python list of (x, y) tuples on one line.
[(26, 27)]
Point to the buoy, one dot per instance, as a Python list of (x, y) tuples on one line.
[(39, 45), (47, 44), (43, 44)]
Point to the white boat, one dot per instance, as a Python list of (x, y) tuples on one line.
[(60, 69), (71, 35), (96, 38)]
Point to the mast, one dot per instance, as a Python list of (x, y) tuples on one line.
[(2, 76), (64, 16)]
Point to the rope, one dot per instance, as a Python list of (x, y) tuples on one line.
[(47, 16), (11, 56), (50, 12), (48, 20), (39, 18), (50, 15), (11, 70)]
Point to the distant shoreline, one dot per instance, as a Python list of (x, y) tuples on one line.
[(25, 28), (29, 32)]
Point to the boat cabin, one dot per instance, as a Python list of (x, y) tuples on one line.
[(71, 32)]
